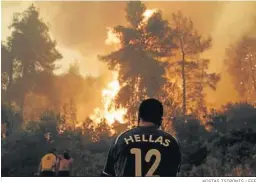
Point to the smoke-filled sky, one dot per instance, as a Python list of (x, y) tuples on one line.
[(80, 29)]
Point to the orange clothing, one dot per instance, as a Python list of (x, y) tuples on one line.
[(48, 162)]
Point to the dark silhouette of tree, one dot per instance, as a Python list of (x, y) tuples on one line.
[(240, 115), (142, 44), (198, 79), (190, 68), (7, 69), (10, 120), (33, 50), (74, 68)]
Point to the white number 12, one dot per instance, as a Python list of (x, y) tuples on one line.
[(150, 153)]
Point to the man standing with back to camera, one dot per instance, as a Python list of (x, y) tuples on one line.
[(145, 150)]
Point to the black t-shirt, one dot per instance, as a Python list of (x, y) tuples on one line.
[(143, 151)]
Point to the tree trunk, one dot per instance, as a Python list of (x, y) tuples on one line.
[(184, 99), (25, 89), (10, 83), (22, 107)]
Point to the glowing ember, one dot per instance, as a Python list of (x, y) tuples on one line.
[(147, 14), (112, 37), (109, 112)]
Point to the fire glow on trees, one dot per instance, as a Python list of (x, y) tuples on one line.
[(109, 112), (147, 14), (112, 38), (241, 60)]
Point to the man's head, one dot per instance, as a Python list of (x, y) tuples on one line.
[(151, 110), (66, 154), (52, 150)]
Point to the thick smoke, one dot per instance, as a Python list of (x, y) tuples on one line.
[(82, 26), (234, 20)]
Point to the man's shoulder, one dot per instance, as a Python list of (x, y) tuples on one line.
[(124, 134), (169, 136), (48, 156), (120, 138)]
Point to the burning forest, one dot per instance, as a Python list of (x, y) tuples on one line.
[(78, 91)]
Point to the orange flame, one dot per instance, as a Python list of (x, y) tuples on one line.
[(112, 37), (109, 112), (147, 14)]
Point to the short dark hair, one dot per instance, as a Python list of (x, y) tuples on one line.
[(52, 150), (66, 154), (151, 110)]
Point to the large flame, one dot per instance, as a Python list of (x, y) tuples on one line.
[(147, 14), (109, 111), (112, 37)]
